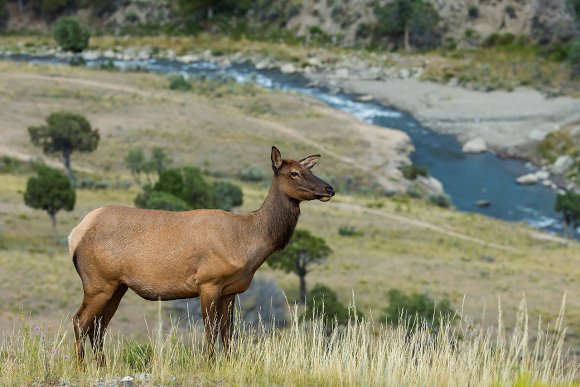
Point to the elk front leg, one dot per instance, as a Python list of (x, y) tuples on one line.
[(226, 320), (210, 303)]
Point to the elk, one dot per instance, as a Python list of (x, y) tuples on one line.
[(162, 255)]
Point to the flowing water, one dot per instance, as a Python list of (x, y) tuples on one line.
[(466, 178)]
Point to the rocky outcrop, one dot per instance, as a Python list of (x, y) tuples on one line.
[(528, 179), (348, 21)]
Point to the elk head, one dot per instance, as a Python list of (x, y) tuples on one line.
[(296, 181)]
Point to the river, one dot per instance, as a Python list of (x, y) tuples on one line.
[(466, 178)]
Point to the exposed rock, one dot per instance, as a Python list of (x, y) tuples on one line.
[(127, 381), (475, 145), (483, 203), (314, 61), (288, 68), (528, 179), (562, 164), (430, 185), (264, 65)]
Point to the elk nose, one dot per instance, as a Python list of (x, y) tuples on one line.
[(330, 190)]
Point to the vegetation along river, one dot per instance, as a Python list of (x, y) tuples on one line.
[(466, 178)]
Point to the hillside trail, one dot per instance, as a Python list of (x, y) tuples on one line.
[(272, 125), (291, 132)]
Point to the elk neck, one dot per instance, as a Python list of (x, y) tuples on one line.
[(277, 218)]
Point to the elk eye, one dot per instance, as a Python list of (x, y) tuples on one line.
[(294, 174)]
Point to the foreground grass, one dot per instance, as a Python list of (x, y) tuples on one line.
[(305, 353)]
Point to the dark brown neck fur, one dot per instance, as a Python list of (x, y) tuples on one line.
[(279, 215)]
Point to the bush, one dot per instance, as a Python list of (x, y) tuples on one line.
[(416, 309), (137, 356), (348, 231), (473, 12), (227, 195), (10, 164), (440, 200), (159, 200), (71, 35), (323, 301), (252, 173), (411, 172), (179, 83), (497, 39)]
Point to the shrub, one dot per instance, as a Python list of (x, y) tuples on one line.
[(324, 302), (227, 195), (348, 231), (252, 173), (440, 200), (417, 310), (179, 83), (137, 356), (159, 200), (411, 172), (71, 35), (473, 12), (497, 39), (511, 11), (10, 164)]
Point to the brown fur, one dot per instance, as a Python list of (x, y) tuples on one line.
[(164, 255)]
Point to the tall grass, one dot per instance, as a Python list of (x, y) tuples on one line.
[(305, 353)]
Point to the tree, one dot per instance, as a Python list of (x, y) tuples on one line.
[(416, 309), (50, 191), (303, 250), (65, 133), (569, 205), (71, 35), (407, 21)]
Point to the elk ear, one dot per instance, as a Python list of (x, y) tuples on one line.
[(310, 161), (276, 159)]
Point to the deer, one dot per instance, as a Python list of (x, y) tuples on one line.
[(207, 253)]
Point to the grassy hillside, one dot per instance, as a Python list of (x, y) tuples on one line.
[(406, 244)]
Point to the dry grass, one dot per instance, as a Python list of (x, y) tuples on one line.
[(361, 353)]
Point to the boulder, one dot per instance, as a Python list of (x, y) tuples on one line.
[(483, 203), (430, 185), (475, 145), (288, 68), (542, 175), (315, 62), (528, 179), (365, 98), (562, 164)]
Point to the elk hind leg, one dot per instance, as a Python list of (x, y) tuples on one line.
[(84, 320), (102, 322)]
